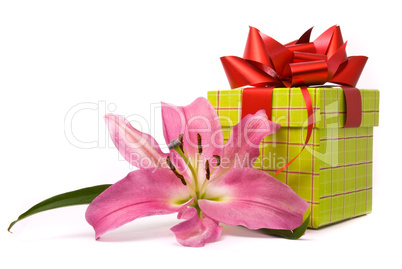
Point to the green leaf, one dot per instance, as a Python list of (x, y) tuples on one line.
[(78, 197), (289, 234)]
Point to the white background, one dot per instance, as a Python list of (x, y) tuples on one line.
[(125, 57)]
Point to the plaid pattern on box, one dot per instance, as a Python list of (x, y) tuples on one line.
[(334, 172)]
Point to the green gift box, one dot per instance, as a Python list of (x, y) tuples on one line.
[(334, 171)]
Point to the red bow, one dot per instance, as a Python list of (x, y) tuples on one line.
[(267, 63)]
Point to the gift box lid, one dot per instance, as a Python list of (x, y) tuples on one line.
[(289, 109)]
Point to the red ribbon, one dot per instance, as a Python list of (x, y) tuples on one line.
[(267, 63)]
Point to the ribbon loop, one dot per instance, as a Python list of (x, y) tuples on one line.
[(304, 47), (307, 73), (307, 56)]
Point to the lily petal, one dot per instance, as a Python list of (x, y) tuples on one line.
[(139, 149), (198, 117), (141, 193), (253, 198), (242, 149), (196, 232)]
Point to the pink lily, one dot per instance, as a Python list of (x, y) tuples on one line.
[(203, 179)]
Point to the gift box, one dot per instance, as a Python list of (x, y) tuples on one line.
[(323, 149), (333, 172)]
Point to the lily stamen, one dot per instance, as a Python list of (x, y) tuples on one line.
[(208, 172), (218, 160), (177, 173), (199, 143), (181, 142), (175, 145)]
